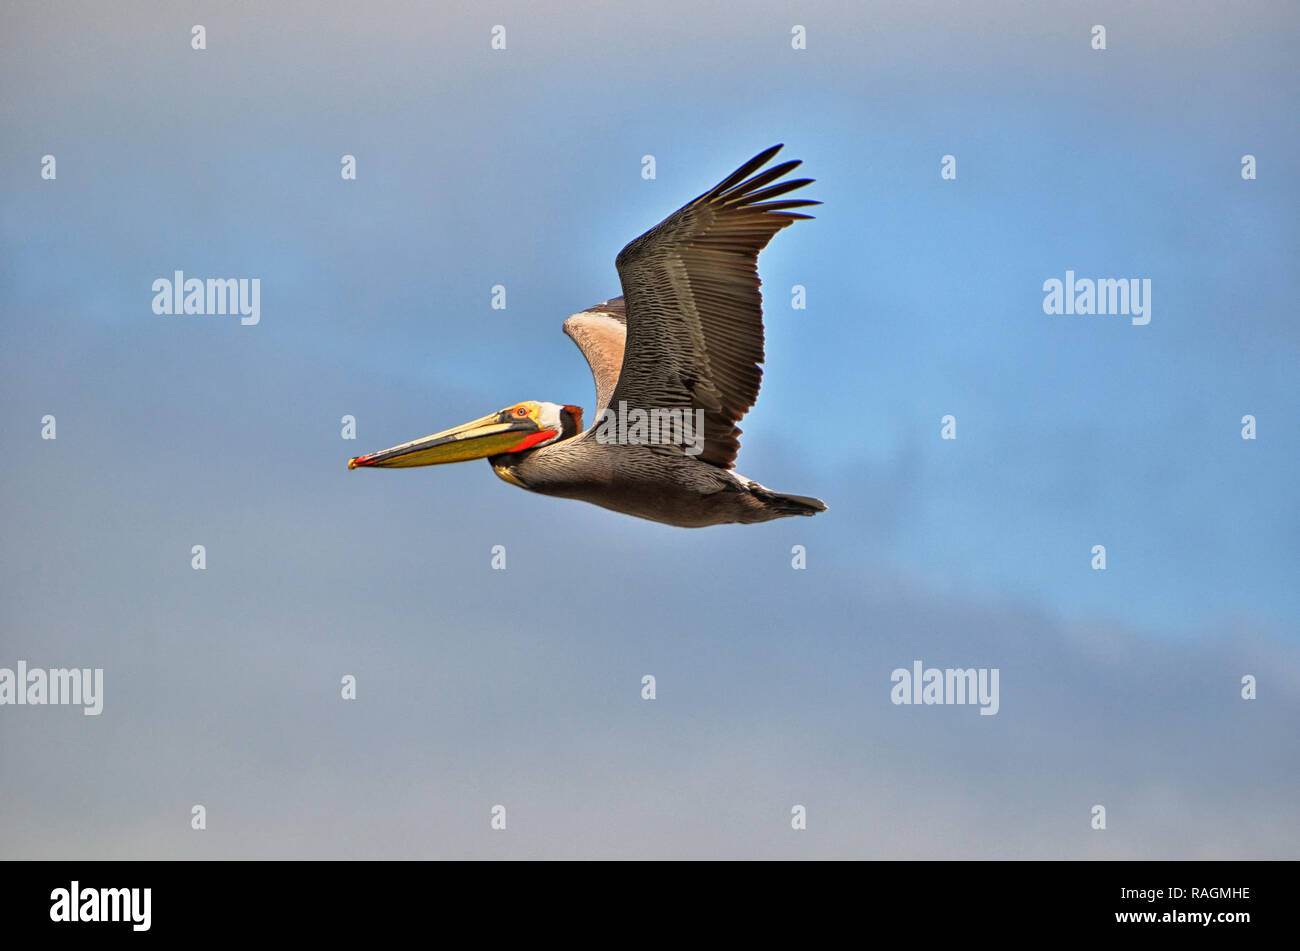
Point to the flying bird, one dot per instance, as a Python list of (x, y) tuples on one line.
[(676, 364)]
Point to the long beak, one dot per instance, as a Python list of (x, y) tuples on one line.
[(489, 436)]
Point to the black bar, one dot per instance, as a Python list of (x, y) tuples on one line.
[(925, 899)]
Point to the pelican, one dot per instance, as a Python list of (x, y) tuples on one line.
[(681, 348)]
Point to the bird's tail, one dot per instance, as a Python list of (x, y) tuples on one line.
[(787, 504), (798, 504)]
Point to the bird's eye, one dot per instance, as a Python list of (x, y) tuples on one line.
[(521, 411)]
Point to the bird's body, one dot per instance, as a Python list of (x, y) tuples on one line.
[(657, 482), (648, 482), (675, 360)]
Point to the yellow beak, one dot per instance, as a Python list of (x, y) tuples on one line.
[(489, 436)]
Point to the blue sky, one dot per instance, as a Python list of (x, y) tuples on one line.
[(522, 168)]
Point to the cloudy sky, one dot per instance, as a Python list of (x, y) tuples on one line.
[(522, 167)]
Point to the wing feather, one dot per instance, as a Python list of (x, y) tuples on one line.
[(694, 312)]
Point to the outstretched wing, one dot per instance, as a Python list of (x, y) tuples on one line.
[(600, 333), (694, 313)]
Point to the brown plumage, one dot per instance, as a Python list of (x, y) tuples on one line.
[(687, 333), (686, 336), (691, 290)]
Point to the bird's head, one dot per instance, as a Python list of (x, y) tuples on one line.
[(518, 428)]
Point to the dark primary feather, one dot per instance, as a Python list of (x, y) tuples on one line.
[(694, 310)]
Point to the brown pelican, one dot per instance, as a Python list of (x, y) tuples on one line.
[(675, 361)]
